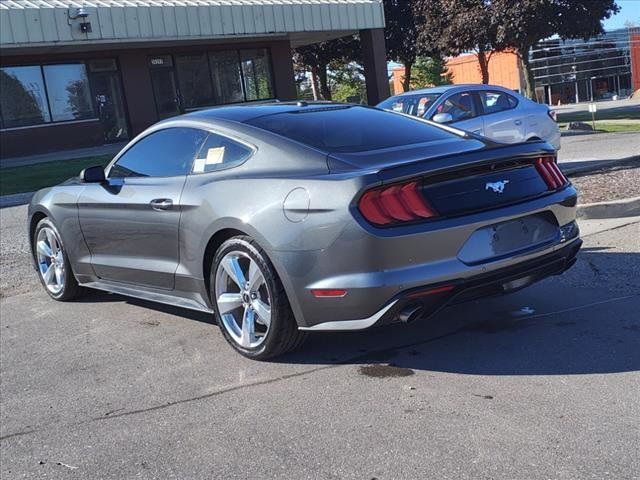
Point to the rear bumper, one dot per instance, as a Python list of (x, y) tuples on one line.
[(425, 301)]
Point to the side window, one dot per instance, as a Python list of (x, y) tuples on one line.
[(493, 102), (460, 106), (219, 152), (165, 153)]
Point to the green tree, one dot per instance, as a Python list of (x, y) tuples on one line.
[(347, 82), (429, 72), (400, 35), (317, 57), (451, 27)]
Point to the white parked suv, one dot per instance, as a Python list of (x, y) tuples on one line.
[(495, 112)]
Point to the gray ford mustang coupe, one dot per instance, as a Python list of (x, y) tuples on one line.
[(286, 218)]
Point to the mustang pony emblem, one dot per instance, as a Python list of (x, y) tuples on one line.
[(497, 187)]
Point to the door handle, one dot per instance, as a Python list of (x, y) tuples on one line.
[(518, 122), (161, 204)]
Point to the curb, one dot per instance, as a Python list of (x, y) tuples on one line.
[(15, 199), (627, 207), (598, 165), (576, 133)]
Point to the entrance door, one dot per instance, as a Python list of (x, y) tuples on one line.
[(108, 93), (165, 92)]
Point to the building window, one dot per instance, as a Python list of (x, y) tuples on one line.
[(226, 77), (194, 80), (23, 98), (214, 78), (33, 95), (68, 92), (256, 70)]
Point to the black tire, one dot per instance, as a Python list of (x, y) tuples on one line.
[(283, 334), (70, 288)]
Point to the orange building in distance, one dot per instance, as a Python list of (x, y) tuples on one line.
[(503, 71)]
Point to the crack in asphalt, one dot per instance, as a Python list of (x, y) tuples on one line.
[(373, 357)]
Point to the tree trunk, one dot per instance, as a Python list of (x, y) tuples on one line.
[(529, 79), (483, 61), (314, 82), (324, 83), (406, 80)]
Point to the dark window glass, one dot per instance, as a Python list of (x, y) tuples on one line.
[(460, 106), (256, 69), (410, 104), (23, 100), (68, 92), (493, 102), (219, 152), (194, 80), (350, 129), (165, 153), (225, 74)]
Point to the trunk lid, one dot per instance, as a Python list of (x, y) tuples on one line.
[(466, 182), (403, 155)]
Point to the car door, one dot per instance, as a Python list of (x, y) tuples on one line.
[(502, 120), (463, 109), (131, 222)]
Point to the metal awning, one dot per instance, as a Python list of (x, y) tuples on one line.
[(50, 23)]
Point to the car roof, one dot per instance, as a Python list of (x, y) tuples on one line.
[(462, 86), (246, 113)]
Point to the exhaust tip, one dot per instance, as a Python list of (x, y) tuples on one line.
[(411, 313)]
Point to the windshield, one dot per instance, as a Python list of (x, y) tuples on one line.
[(416, 104), (350, 128)]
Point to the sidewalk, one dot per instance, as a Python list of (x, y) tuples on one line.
[(107, 149)]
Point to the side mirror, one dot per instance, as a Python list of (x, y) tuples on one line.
[(93, 175), (442, 118)]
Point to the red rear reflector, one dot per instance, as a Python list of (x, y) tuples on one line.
[(432, 291), (397, 203), (550, 172), (328, 292)]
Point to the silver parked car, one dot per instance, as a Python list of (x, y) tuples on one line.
[(282, 219), (495, 112)]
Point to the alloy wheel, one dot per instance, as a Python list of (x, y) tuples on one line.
[(242, 298), (51, 262)]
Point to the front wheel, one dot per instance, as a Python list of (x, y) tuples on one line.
[(250, 303), (53, 264)]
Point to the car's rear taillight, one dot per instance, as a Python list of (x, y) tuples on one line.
[(395, 204), (553, 115), (550, 172)]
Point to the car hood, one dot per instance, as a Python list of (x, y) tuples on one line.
[(405, 154)]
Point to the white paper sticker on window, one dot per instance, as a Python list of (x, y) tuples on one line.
[(215, 156)]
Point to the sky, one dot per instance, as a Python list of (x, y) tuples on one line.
[(629, 11)]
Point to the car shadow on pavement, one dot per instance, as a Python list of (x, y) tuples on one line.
[(580, 323), (99, 296)]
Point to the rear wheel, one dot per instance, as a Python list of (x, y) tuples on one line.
[(250, 303), (53, 264)]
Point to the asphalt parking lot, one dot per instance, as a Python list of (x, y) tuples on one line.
[(542, 383)]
